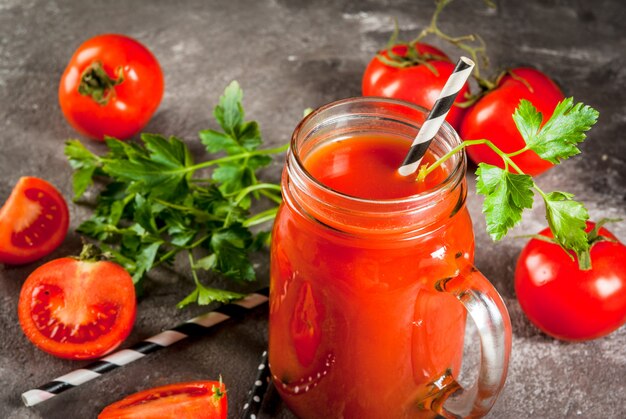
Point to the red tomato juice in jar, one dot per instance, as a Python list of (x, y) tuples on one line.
[(361, 325)]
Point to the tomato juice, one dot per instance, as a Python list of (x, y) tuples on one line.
[(358, 325)]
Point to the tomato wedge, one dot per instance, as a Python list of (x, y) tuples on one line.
[(33, 221), (77, 309), (192, 400)]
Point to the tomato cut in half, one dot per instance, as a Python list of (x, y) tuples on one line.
[(33, 221), (192, 400), (77, 309)]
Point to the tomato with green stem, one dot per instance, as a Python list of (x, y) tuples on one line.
[(491, 118), (569, 303), (413, 72), (33, 221), (111, 87), (77, 308), (192, 400)]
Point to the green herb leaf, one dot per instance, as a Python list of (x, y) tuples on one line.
[(152, 207), (216, 141), (231, 247), (229, 112), (506, 196), (84, 163), (162, 168), (204, 295), (567, 220), (559, 137)]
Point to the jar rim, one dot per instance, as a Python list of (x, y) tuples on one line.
[(446, 136)]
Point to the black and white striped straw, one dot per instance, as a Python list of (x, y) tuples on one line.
[(257, 392), (195, 327), (437, 115)]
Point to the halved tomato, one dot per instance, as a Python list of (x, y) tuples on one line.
[(193, 400), (77, 309), (33, 221)]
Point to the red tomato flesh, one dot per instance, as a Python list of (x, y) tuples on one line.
[(197, 400), (33, 221), (77, 309)]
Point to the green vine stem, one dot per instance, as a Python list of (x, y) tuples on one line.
[(426, 169), (472, 44)]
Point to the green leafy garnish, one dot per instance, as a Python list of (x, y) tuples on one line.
[(559, 137), (153, 204), (508, 193), (506, 196)]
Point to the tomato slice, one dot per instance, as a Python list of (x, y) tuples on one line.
[(33, 221), (77, 309), (196, 399)]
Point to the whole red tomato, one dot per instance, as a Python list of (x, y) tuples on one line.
[(193, 400), (33, 221), (77, 309), (564, 301), (491, 118), (417, 83), (111, 87)]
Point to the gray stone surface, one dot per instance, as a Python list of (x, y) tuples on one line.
[(289, 55)]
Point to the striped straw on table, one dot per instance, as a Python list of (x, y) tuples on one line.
[(257, 392), (191, 328), (437, 115)]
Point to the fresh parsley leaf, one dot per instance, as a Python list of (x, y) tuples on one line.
[(506, 196), (216, 141), (250, 136), (84, 163), (204, 295), (229, 112), (153, 206), (145, 256), (567, 220), (162, 167), (559, 137), (231, 248)]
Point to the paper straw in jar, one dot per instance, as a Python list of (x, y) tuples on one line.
[(436, 116), (257, 392), (195, 327)]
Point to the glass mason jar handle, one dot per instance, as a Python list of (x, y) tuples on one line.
[(486, 308)]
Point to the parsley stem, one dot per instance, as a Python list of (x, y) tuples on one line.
[(166, 256), (505, 157), (520, 151), (276, 198), (538, 189), (191, 210), (233, 157), (259, 186), (261, 217), (192, 264)]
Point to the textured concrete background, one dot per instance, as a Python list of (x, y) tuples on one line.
[(289, 55)]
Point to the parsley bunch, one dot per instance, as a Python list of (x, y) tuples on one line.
[(153, 204), (507, 194)]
